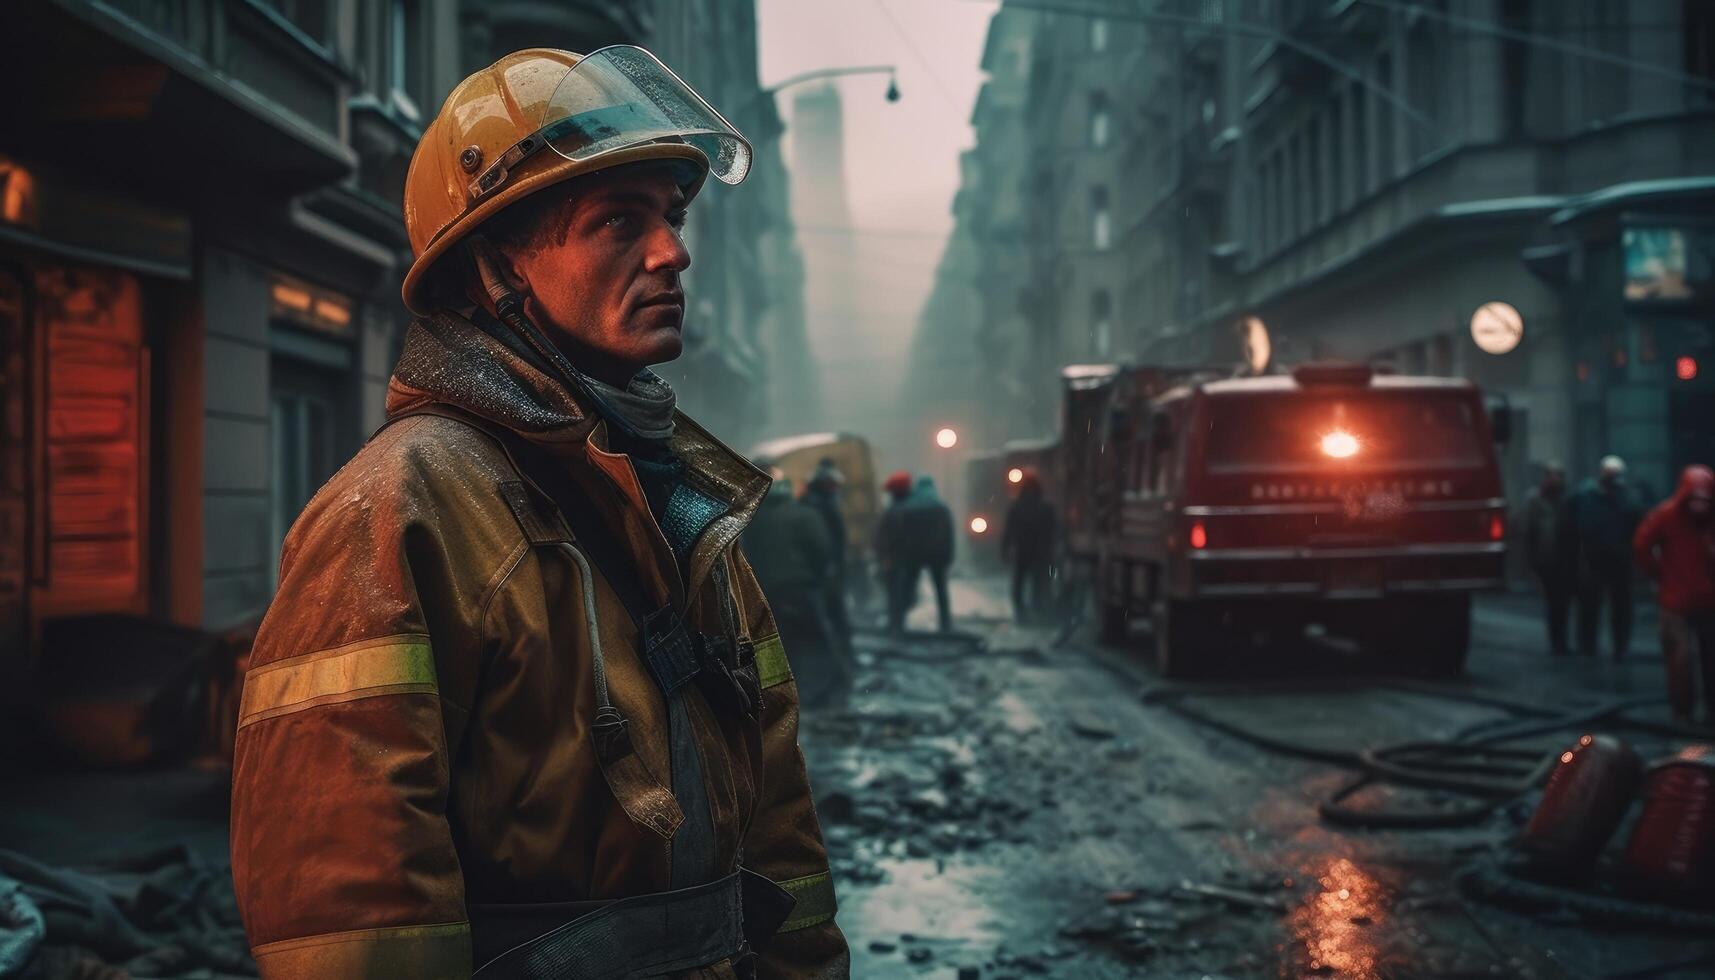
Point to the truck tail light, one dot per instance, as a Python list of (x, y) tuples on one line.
[(1199, 535), (1497, 527)]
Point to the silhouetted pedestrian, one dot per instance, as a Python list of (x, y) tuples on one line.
[(926, 545), (1541, 531), (1601, 518), (890, 548), (822, 495), (1028, 544), (788, 548)]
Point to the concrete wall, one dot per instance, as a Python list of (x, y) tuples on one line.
[(236, 528)]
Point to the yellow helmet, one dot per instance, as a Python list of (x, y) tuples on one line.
[(484, 151)]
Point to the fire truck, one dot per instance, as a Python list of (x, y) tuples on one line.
[(1219, 507)]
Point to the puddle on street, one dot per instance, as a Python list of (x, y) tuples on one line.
[(1337, 923), (935, 903), (1017, 716)]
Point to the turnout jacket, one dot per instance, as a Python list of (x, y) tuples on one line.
[(415, 737)]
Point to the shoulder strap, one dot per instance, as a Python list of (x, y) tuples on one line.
[(549, 479)]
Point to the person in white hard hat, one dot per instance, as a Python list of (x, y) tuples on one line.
[(1601, 518)]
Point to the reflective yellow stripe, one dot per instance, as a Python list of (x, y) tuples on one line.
[(400, 664), (771, 665), (815, 895), (402, 951)]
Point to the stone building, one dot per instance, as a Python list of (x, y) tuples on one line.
[(1363, 175), (200, 252), (201, 246)]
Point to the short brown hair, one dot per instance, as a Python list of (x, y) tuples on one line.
[(537, 222)]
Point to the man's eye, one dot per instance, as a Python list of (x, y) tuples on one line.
[(618, 222)]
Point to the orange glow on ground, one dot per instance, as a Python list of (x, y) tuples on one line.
[(1337, 923)]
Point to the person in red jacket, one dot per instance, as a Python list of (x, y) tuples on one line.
[(1675, 545)]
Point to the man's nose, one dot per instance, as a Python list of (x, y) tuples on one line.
[(667, 251)]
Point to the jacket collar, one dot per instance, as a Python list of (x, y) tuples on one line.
[(450, 359)]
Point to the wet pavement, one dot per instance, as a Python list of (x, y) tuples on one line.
[(1000, 806)]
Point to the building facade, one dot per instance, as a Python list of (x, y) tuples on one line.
[(200, 250), (201, 246), (1362, 176)]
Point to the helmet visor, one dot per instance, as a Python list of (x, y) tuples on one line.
[(622, 96)]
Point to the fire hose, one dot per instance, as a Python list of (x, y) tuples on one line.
[(1469, 764)]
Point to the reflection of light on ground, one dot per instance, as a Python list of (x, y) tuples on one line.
[(1337, 923)]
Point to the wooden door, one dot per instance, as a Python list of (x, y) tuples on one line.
[(93, 439)]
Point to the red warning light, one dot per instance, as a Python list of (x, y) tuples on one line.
[(1199, 536), (1497, 527), (1685, 368)]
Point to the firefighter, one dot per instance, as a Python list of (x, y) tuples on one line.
[(1028, 543), (890, 546), (822, 494), (519, 702), (1675, 545), (1540, 526), (1600, 519), (788, 546), (925, 532)]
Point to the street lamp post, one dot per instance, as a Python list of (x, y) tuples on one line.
[(818, 73)]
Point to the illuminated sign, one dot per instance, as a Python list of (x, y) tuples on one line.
[(310, 306), (1497, 327)]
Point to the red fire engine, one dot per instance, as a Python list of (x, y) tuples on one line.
[(1217, 507)]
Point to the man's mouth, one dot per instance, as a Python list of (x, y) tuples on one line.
[(671, 297)]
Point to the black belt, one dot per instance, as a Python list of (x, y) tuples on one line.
[(643, 936)]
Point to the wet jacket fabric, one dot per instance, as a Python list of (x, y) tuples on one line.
[(1600, 525), (1029, 535), (415, 738), (1678, 550), (922, 534), (787, 545)]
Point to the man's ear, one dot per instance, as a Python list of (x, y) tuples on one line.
[(498, 272)]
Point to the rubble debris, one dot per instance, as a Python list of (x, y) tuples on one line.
[(1234, 896)]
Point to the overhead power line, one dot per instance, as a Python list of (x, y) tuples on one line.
[(1237, 27), (1543, 41), (922, 59)]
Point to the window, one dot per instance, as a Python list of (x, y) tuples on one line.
[(309, 16), (1313, 173), (1101, 222), (405, 54), (1098, 34), (1424, 87), (1099, 119), (1101, 322), (1360, 147), (1606, 83), (1699, 30), (1336, 136), (1384, 121), (303, 408)]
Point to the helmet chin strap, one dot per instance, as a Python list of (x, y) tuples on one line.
[(509, 309)]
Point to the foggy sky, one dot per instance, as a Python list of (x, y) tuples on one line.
[(902, 158)]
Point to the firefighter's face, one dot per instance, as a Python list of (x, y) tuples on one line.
[(610, 293)]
